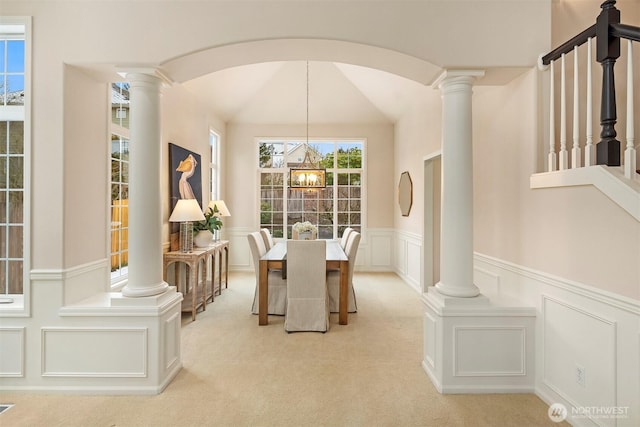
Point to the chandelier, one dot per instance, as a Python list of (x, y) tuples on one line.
[(307, 175)]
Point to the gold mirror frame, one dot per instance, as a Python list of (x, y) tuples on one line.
[(405, 193)]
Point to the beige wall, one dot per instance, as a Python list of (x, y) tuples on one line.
[(84, 168), (186, 123), (576, 233), (242, 166), (417, 134)]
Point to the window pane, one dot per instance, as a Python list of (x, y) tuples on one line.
[(15, 276), (3, 136), (119, 212), (15, 56), (272, 203), (16, 207), (16, 138), (120, 104), (271, 155), (15, 90), (15, 241), (3, 246), (15, 172), (3, 172)]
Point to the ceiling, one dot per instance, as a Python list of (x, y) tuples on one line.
[(276, 93)]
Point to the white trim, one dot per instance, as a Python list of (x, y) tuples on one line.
[(609, 180), (143, 332), (22, 303), (615, 300)]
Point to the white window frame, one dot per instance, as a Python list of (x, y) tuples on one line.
[(214, 166), (21, 306), (285, 170), (117, 283)]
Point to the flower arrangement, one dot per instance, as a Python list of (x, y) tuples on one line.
[(211, 222), (301, 227)]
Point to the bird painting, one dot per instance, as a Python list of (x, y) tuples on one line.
[(188, 168)]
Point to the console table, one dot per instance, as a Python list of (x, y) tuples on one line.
[(196, 292)]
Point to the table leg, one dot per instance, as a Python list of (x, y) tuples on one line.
[(343, 316), (212, 276), (226, 268), (263, 296), (193, 279)]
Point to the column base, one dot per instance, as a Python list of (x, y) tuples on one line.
[(474, 345), (458, 291), (146, 291)]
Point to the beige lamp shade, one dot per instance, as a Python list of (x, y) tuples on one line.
[(221, 206), (187, 210)]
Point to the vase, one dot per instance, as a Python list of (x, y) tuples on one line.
[(305, 235), (203, 238)]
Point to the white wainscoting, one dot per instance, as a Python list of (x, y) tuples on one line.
[(579, 329), (12, 354), (91, 345), (408, 258), (94, 352)]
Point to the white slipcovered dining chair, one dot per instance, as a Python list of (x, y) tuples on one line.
[(345, 237), (276, 285), (307, 297), (333, 277), (267, 237)]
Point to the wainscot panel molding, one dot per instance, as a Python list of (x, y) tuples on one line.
[(587, 340), (12, 345), (408, 258), (453, 357), (82, 338), (97, 352), (375, 251)]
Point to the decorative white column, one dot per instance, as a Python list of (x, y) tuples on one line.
[(145, 203), (456, 255), (453, 326)]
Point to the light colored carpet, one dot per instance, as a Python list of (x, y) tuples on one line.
[(236, 373)]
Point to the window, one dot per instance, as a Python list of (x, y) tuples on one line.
[(214, 173), (119, 204), (14, 161), (333, 208)]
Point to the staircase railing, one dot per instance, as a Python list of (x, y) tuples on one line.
[(608, 31)]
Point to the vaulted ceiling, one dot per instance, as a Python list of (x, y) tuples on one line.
[(276, 93)]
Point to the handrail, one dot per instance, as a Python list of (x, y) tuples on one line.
[(568, 46)]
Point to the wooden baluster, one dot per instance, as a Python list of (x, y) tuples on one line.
[(564, 155), (589, 149), (630, 151), (552, 136), (576, 153)]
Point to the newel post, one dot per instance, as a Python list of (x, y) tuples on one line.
[(607, 51)]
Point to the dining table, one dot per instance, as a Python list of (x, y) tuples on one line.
[(275, 258)]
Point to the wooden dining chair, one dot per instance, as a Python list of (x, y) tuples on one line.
[(307, 297), (276, 285), (333, 277)]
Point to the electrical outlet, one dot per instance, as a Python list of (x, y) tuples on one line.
[(581, 375)]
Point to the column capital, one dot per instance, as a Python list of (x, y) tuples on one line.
[(457, 76), (144, 75)]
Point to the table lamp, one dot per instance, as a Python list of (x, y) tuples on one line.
[(185, 212), (219, 209)]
